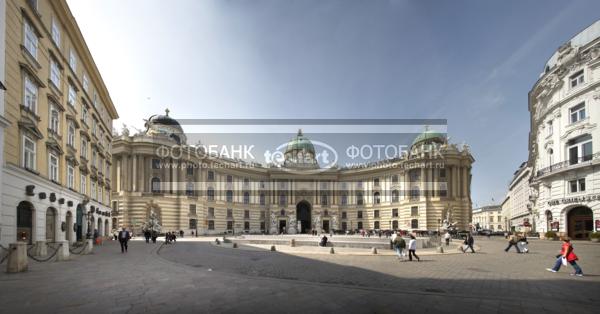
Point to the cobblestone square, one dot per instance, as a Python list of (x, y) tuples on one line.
[(197, 276)]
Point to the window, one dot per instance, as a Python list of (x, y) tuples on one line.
[(246, 225), (229, 213), (83, 184), (155, 185), (415, 175), (246, 198), (189, 189), (376, 213), (193, 223), (94, 157), (230, 225), (376, 225), (262, 199), (576, 79), (72, 96), (85, 82), (211, 225), (282, 199), (100, 194), (577, 185), (577, 113), (84, 114), (414, 223), (414, 211), (210, 194), (73, 61), (549, 128), (323, 199), (190, 170), (71, 134), (491, 218), (54, 73), (262, 225), (155, 163), (359, 214), (395, 178), (262, 184), (70, 177), (344, 226), (246, 182), (344, 199), (395, 196), (95, 100), (442, 173), (84, 148), (94, 126), (211, 175), (193, 209), (580, 149), (395, 212), (359, 225), (53, 167), (211, 212), (55, 33), (344, 215), (30, 94), (31, 40), (93, 190), (229, 179), (395, 224), (229, 196), (359, 198), (376, 182), (376, 198), (246, 214), (54, 118), (415, 192), (29, 150)]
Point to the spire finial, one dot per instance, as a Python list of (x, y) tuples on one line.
[(167, 111)]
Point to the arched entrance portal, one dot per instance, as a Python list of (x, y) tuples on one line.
[(25, 212), (580, 222), (51, 224), (303, 216)]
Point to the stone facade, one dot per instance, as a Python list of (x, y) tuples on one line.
[(488, 218), (564, 140), (212, 195), (57, 147), (517, 209)]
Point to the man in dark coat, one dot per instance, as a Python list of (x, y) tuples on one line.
[(123, 239)]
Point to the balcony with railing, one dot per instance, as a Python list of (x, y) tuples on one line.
[(571, 163)]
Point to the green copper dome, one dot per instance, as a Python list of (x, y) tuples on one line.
[(430, 136), (300, 143)]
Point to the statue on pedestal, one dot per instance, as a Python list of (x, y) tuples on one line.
[(292, 225), (273, 229)]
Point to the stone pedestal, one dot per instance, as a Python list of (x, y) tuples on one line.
[(40, 248), (63, 251), (89, 246), (17, 260)]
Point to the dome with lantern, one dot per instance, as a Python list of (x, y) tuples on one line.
[(164, 125), (300, 153)]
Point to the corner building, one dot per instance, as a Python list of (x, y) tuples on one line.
[(56, 184), (564, 141), (212, 195)]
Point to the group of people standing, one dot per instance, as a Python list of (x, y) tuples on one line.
[(150, 234)]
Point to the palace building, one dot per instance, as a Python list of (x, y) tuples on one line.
[(57, 141), (564, 140), (207, 194)]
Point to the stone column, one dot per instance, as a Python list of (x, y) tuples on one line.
[(134, 175), (118, 175), (465, 182), (454, 181), (167, 172), (142, 182)]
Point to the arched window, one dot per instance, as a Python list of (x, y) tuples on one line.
[(210, 194), (359, 198), (229, 196), (376, 198), (415, 192), (262, 199), (246, 198), (24, 221), (395, 196), (50, 224), (189, 188), (155, 185), (414, 223)]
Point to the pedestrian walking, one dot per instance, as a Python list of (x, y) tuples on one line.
[(147, 236), (512, 242), (447, 238), (123, 238), (154, 236), (566, 256), (181, 233), (469, 244), (523, 243), (399, 245), (412, 248)]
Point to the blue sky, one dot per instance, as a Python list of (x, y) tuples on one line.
[(471, 62)]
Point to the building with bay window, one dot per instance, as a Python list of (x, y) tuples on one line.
[(57, 109), (564, 141)]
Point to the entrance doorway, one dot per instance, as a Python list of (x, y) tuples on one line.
[(50, 224), (326, 226), (580, 222), (25, 221), (303, 216), (79, 223), (282, 224)]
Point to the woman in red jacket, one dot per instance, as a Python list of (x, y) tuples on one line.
[(567, 252)]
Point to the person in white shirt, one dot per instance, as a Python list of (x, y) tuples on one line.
[(447, 237), (412, 247)]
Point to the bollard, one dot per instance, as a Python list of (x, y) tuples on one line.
[(234, 245), (331, 251), (273, 248), (373, 250), (292, 243), (63, 251), (89, 246), (40, 248), (17, 259), (440, 249)]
